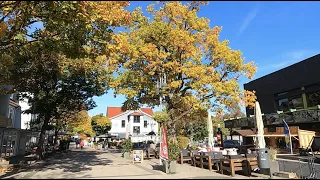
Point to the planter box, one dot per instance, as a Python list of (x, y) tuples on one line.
[(126, 155), (169, 168)]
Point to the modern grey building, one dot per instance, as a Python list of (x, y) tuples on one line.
[(294, 87)]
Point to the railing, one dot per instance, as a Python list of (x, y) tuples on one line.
[(313, 172), (303, 115)]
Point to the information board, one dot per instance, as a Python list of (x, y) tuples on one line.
[(137, 156)]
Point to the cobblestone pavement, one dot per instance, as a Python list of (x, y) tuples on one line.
[(89, 163)]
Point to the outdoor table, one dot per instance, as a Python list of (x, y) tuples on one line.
[(231, 164)]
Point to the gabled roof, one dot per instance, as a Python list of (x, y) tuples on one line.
[(115, 111)]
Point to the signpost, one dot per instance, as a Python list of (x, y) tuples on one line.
[(287, 136), (137, 156)]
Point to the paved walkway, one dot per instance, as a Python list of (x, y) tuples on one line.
[(89, 163)]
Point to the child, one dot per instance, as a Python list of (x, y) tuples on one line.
[(81, 144)]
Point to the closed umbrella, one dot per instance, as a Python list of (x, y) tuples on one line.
[(260, 142), (210, 131), (128, 130)]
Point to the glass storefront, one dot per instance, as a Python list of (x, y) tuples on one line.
[(290, 103), (313, 99)]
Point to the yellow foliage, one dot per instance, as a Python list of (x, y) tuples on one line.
[(201, 70), (182, 141)]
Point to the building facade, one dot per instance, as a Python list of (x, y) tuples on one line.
[(291, 94), (133, 124), (294, 87), (10, 111)]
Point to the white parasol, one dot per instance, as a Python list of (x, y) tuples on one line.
[(210, 131), (260, 142)]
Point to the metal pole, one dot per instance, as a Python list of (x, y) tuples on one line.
[(160, 100), (290, 143)]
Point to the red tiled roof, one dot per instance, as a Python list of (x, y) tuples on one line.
[(147, 110), (114, 111)]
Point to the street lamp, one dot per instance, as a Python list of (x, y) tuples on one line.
[(162, 82)]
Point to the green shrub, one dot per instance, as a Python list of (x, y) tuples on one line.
[(127, 146), (194, 147), (182, 141), (174, 151)]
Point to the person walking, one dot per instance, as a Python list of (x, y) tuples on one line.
[(77, 143), (81, 144)]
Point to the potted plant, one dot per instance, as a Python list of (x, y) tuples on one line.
[(173, 152), (126, 148), (273, 154)]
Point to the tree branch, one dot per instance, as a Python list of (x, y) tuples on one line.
[(183, 114), (15, 6)]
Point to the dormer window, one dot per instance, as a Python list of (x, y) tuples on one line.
[(136, 119)]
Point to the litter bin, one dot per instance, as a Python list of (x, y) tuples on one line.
[(264, 161)]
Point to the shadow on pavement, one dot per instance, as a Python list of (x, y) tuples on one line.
[(74, 161)]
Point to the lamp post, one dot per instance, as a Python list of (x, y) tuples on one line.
[(160, 84)]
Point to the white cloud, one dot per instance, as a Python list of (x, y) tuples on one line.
[(249, 18)]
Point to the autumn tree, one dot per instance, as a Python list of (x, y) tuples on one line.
[(101, 124), (62, 63), (81, 123), (176, 45)]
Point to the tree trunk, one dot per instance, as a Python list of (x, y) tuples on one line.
[(56, 136), (41, 148)]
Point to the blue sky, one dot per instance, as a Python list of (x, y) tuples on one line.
[(272, 34)]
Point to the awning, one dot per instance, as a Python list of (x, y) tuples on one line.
[(244, 132)]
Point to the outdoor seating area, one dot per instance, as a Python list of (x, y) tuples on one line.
[(216, 160)]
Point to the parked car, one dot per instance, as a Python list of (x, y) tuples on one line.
[(231, 144)]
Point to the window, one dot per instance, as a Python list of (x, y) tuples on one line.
[(123, 123), (313, 99), (145, 124), (11, 116), (12, 96), (136, 129), (290, 103), (136, 119)]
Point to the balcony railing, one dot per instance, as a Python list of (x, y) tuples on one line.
[(299, 116)]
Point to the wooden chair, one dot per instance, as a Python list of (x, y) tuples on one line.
[(151, 152), (232, 164), (197, 160), (207, 159), (185, 156), (216, 159), (192, 153), (251, 163)]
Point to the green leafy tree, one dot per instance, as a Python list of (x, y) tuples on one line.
[(100, 124), (62, 64)]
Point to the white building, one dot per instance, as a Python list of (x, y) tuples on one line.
[(135, 124), (10, 111), (25, 118)]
